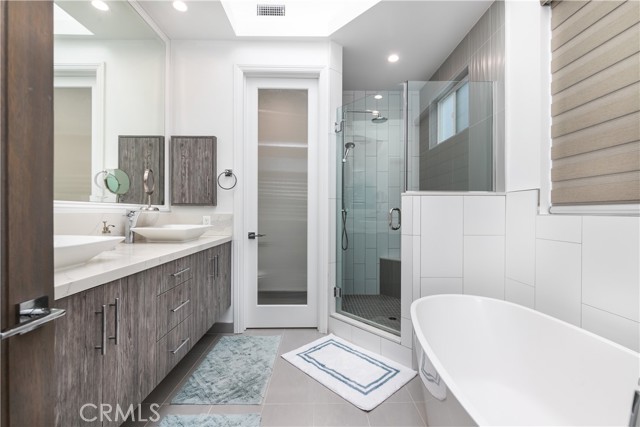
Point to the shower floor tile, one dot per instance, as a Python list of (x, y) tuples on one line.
[(379, 309)]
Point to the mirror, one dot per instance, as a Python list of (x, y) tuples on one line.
[(109, 104)]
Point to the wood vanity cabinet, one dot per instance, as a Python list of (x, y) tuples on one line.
[(193, 170), (214, 288), (124, 374), (157, 316)]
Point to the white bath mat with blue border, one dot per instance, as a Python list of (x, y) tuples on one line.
[(359, 376)]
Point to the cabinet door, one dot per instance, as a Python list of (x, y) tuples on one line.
[(200, 292), (112, 299), (193, 170), (136, 345), (223, 280), (78, 363)]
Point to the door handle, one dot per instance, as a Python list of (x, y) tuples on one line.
[(395, 227), (253, 235), (29, 326), (31, 315)]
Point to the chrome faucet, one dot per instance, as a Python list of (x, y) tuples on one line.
[(132, 220)]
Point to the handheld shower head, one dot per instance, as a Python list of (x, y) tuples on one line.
[(348, 146)]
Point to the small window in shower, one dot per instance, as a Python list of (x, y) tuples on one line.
[(453, 111)]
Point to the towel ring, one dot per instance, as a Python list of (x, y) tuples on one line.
[(228, 172)]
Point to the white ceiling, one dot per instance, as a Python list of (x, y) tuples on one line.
[(422, 32)]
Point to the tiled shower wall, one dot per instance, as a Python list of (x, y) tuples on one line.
[(373, 182), (465, 161)]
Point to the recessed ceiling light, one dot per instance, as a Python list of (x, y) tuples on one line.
[(180, 5), (393, 58), (378, 96), (100, 5)]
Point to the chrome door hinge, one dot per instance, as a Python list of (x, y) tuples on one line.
[(337, 292)]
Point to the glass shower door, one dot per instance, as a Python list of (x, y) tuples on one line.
[(370, 169)]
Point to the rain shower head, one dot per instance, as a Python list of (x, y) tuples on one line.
[(348, 146), (378, 118)]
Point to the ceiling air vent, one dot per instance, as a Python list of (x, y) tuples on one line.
[(270, 10)]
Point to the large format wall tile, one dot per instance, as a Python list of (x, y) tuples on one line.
[(521, 236), (610, 270), (441, 237), (484, 266), (558, 280)]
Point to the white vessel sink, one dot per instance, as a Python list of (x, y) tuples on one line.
[(172, 232), (70, 251)]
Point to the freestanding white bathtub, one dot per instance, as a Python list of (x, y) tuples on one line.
[(504, 364)]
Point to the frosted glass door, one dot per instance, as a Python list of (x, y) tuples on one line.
[(281, 211), (282, 196)]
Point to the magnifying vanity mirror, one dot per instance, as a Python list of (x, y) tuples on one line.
[(109, 105)]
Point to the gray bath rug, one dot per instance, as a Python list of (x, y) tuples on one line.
[(235, 372), (211, 420)]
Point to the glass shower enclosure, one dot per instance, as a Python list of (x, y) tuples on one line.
[(425, 136), (370, 166)]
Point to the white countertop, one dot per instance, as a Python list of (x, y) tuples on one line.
[(125, 260)]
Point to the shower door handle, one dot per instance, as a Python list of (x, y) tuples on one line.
[(391, 226)]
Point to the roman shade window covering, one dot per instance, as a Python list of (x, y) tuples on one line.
[(595, 89)]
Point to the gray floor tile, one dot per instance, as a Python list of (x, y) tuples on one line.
[(298, 415), (180, 410), (294, 338), (338, 415), (396, 415), (236, 409), (401, 395), (417, 390)]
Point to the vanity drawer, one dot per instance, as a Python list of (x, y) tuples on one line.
[(172, 308), (173, 347), (175, 273)]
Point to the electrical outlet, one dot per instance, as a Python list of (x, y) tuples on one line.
[(206, 220)]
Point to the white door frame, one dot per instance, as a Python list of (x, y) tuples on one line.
[(321, 269)]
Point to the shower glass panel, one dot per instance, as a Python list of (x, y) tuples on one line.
[(462, 112), (370, 167), (282, 196)]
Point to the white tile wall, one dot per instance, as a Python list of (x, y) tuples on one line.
[(365, 339), (406, 275), (484, 216), (559, 227), (610, 326), (440, 285), (396, 352), (558, 280), (521, 210), (611, 271), (484, 266), (441, 245), (519, 293)]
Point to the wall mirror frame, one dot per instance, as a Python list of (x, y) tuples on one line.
[(77, 74)]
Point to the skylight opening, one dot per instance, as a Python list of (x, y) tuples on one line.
[(304, 18)]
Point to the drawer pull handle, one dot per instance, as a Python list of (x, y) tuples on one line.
[(173, 310), (184, 341), (178, 273)]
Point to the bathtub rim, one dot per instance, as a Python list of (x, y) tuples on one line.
[(444, 374)]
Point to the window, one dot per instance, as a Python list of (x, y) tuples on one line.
[(595, 107), (453, 112)]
